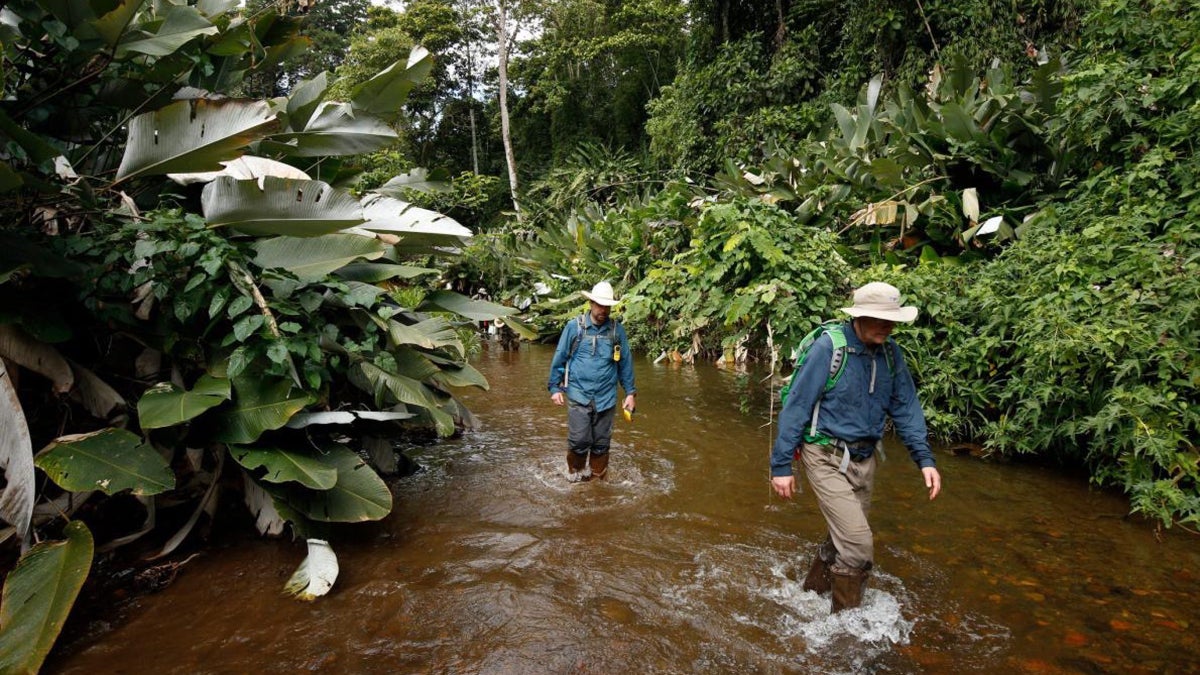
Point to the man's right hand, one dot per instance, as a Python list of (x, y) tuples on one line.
[(558, 397), (785, 486)]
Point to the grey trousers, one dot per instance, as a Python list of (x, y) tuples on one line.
[(845, 501), (587, 429)]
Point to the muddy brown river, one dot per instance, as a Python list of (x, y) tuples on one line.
[(683, 562)]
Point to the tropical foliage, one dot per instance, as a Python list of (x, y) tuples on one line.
[(186, 279)]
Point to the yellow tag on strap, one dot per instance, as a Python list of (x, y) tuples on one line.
[(616, 352)]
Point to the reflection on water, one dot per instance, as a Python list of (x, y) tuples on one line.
[(682, 562)]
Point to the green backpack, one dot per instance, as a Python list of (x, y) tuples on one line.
[(834, 330)]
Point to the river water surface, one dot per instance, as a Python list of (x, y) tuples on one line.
[(682, 562)]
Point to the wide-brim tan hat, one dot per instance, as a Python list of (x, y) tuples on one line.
[(881, 301), (602, 294)]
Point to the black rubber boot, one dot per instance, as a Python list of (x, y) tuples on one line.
[(818, 580), (577, 467), (598, 465), (848, 587)]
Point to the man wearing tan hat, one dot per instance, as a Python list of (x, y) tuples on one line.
[(835, 432), (592, 357)]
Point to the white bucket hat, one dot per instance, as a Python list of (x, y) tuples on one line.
[(602, 294), (880, 301)]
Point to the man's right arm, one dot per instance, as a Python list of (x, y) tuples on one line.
[(808, 385), (559, 363)]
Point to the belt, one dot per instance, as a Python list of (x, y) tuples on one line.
[(851, 452)]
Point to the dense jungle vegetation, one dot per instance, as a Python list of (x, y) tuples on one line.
[(245, 245)]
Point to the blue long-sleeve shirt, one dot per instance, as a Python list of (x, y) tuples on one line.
[(593, 375), (854, 410)]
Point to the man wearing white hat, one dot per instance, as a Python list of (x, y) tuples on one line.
[(591, 359), (833, 426)]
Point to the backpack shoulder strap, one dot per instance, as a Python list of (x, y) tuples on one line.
[(837, 360), (580, 327)]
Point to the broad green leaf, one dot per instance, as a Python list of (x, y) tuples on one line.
[(336, 130), (112, 26), (476, 310), (281, 207), (216, 8), (464, 376), (385, 93), (34, 145), (16, 457), (165, 405), (109, 460), (358, 495), (305, 98), (259, 405), (521, 328), (385, 214), (421, 180), (182, 25), (313, 258), (379, 382), (191, 136), (242, 168), (284, 465), (38, 596), (375, 272), (430, 334)]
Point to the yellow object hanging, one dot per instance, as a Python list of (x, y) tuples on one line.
[(616, 352)]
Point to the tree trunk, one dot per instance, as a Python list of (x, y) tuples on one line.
[(509, 157)]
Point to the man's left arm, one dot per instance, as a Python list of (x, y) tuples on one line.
[(909, 419), (625, 369)]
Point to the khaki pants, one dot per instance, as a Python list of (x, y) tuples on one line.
[(845, 501)]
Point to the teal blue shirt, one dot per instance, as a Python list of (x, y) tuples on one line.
[(592, 375)]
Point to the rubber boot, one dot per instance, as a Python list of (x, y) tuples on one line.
[(848, 586), (577, 467), (818, 580), (599, 465)]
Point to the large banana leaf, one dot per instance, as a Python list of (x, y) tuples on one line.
[(375, 272), (298, 208), (305, 98), (284, 465), (181, 25), (421, 180), (112, 26), (380, 382), (16, 457), (464, 376), (109, 460), (335, 130), (386, 214), (430, 333), (192, 135), (358, 495), (312, 258), (165, 405), (242, 168), (476, 310), (386, 92), (259, 405), (38, 595)]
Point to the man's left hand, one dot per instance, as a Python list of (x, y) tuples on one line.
[(933, 481)]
